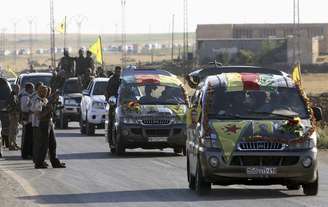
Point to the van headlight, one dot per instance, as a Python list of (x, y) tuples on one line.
[(98, 105), (210, 141), (306, 145), (129, 120), (71, 102)]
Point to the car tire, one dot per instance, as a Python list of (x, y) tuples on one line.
[(90, 129), (177, 150), (202, 187), (311, 189), (191, 178), (184, 151), (82, 127), (293, 187), (119, 147)]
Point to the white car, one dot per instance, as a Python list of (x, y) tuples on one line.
[(93, 106)]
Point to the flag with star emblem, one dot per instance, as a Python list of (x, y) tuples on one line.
[(229, 133), (96, 50)]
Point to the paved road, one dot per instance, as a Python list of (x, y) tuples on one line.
[(142, 178)]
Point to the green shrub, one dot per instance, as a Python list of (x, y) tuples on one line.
[(323, 139)]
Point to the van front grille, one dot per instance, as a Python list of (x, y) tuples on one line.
[(264, 160), (260, 146)]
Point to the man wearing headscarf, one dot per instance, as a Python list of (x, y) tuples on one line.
[(25, 98)]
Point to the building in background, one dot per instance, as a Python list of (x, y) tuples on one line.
[(212, 39)]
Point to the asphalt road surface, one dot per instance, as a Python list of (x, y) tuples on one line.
[(94, 177)]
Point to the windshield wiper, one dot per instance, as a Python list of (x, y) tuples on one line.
[(285, 116), (227, 116)]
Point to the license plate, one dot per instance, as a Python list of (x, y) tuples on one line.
[(261, 171), (157, 139)]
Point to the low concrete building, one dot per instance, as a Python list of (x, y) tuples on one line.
[(214, 39)]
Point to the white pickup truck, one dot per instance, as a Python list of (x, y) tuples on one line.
[(93, 106)]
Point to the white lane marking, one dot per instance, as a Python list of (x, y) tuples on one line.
[(27, 187)]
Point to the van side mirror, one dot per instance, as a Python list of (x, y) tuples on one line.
[(85, 93), (317, 113), (112, 101)]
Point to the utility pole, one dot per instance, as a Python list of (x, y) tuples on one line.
[(124, 52), (79, 19), (185, 33), (15, 22), (151, 44), (52, 36), (172, 40), (296, 32), (30, 21), (3, 47)]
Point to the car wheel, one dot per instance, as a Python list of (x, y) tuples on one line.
[(293, 187), (90, 129), (191, 178), (82, 127), (119, 148), (311, 189), (184, 151), (177, 150), (65, 124), (202, 187)]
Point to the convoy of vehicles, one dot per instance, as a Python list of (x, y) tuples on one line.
[(244, 125), (70, 97), (251, 128), (150, 112), (93, 106)]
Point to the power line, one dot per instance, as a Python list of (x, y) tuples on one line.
[(79, 19)]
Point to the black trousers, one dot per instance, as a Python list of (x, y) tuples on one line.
[(40, 143), (27, 141), (53, 147)]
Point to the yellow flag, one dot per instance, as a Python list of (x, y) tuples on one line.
[(10, 70), (96, 50), (61, 27), (296, 74)]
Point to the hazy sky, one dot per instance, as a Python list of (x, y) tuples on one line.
[(104, 16)]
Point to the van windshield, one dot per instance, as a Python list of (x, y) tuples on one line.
[(35, 79), (72, 86), (281, 103), (152, 94)]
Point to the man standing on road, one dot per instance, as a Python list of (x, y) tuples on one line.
[(26, 119), (13, 111), (43, 129), (67, 64)]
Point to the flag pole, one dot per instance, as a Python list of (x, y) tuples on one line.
[(65, 33), (101, 51)]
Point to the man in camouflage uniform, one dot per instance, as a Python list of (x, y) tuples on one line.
[(13, 110), (80, 64), (67, 64), (90, 63)]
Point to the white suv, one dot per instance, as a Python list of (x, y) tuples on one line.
[(93, 106)]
